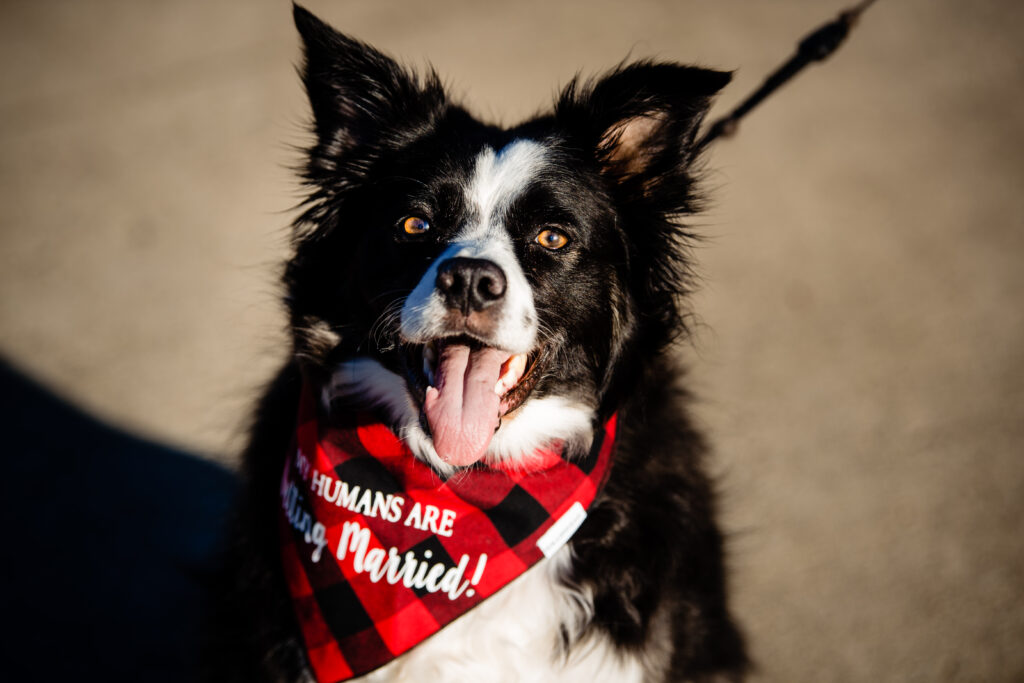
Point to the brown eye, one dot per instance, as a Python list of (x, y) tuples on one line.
[(551, 239), (414, 225)]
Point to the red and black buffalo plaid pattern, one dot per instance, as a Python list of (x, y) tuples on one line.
[(417, 551)]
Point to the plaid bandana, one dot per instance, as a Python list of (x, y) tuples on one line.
[(380, 552)]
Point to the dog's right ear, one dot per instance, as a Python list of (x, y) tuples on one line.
[(359, 96)]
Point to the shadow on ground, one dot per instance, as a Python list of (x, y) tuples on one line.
[(107, 540)]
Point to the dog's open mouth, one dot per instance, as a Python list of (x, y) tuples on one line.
[(464, 388)]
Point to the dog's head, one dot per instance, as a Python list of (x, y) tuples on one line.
[(490, 289)]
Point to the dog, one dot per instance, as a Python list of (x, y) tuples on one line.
[(487, 293)]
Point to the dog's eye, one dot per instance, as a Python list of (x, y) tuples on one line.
[(414, 225), (551, 239)]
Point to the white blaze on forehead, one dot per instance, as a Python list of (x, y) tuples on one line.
[(498, 178)]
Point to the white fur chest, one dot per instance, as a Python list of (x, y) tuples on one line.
[(515, 636)]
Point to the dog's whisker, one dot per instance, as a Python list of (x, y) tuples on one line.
[(384, 327)]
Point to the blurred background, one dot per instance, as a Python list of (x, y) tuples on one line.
[(859, 363)]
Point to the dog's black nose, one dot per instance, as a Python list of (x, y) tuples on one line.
[(470, 284)]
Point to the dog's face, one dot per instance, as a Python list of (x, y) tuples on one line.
[(492, 289)]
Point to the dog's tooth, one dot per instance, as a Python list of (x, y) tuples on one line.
[(514, 368), (499, 386)]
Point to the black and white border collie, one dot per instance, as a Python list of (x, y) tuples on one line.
[(545, 263)]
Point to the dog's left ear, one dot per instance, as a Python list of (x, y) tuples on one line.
[(641, 122)]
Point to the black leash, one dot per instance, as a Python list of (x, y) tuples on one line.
[(816, 47)]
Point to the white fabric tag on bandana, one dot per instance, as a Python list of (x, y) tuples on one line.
[(562, 530)]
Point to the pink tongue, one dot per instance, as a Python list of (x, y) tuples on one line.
[(463, 409)]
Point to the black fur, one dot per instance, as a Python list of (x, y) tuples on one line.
[(389, 145)]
